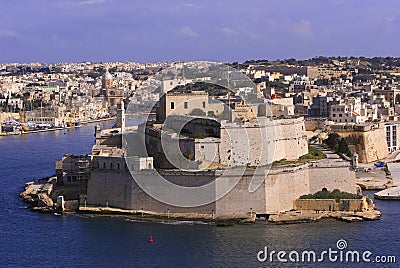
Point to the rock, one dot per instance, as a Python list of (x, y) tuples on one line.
[(350, 218), (371, 215), (44, 200)]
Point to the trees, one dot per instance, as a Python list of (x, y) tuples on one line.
[(337, 144), (332, 140), (343, 148)]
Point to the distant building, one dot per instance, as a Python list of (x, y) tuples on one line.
[(392, 137), (353, 111), (182, 103), (319, 107), (112, 94)]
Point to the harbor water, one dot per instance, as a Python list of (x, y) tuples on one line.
[(46, 240)]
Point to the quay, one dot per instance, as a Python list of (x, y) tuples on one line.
[(389, 194), (56, 128)]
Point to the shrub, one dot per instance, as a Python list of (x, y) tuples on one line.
[(335, 194), (197, 112)]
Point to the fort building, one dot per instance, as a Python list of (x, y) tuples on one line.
[(211, 146)]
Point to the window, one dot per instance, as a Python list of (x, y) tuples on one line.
[(172, 105), (104, 165), (202, 146), (118, 166), (204, 104), (185, 105)]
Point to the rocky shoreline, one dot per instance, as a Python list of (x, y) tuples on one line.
[(37, 194), (312, 216)]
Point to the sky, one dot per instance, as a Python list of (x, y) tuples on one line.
[(173, 30)]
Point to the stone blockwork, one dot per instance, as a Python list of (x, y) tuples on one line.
[(229, 144), (332, 205), (368, 141), (276, 192), (263, 142)]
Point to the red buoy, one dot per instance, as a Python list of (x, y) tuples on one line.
[(150, 240)]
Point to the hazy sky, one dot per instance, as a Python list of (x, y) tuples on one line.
[(232, 30)]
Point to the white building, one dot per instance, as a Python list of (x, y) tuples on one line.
[(391, 137), (353, 111)]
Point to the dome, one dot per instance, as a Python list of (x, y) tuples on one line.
[(107, 75)]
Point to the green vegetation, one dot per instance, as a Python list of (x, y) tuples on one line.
[(337, 144), (212, 89), (313, 154), (281, 162), (335, 194), (197, 112)]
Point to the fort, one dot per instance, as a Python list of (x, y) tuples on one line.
[(257, 159), (368, 140)]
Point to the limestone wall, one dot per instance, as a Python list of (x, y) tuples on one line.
[(283, 185), (316, 204), (263, 143), (332, 178), (110, 187), (367, 140), (291, 139), (240, 201), (329, 204), (277, 192)]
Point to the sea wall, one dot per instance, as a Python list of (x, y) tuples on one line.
[(276, 192), (330, 204), (285, 184)]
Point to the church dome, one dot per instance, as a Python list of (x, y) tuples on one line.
[(107, 75)]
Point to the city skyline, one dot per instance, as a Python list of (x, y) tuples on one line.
[(118, 30)]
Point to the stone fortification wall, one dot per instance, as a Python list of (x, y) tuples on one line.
[(291, 139), (110, 188), (332, 174), (172, 143), (331, 204), (367, 140), (120, 190), (277, 192), (253, 144), (285, 184)]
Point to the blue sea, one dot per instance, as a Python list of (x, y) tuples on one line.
[(29, 239)]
